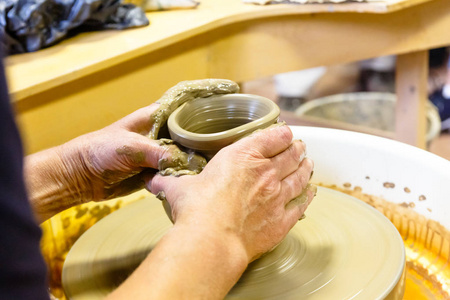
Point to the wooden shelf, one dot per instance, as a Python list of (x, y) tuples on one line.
[(90, 80), (90, 52)]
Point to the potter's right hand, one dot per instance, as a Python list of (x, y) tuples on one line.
[(244, 192)]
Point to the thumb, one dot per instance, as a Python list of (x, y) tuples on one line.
[(164, 154), (164, 187), (139, 151), (177, 162), (158, 185)]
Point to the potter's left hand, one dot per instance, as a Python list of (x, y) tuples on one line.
[(96, 166), (111, 162)]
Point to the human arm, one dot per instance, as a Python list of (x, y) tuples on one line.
[(238, 208)]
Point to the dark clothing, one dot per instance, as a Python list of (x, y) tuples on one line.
[(22, 268)]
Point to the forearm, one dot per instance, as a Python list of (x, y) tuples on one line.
[(53, 182), (187, 263)]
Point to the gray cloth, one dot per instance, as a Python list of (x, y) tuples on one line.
[(30, 25)]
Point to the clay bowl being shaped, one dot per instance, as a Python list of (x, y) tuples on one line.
[(209, 124)]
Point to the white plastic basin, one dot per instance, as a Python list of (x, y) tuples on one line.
[(349, 157)]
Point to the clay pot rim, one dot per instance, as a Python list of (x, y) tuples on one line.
[(188, 138)]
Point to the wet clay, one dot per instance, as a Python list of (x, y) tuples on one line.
[(389, 185), (189, 163), (208, 124), (119, 183), (243, 114), (135, 156), (124, 187), (183, 92), (303, 197), (181, 162), (427, 247)]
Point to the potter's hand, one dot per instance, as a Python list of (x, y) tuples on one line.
[(185, 91), (245, 191), (100, 165)]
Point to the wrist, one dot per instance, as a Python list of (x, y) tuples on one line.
[(75, 173), (189, 262), (221, 242), (55, 181)]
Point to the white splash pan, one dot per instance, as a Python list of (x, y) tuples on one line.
[(349, 157)]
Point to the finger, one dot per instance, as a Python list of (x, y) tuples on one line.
[(158, 184), (160, 154), (296, 182), (142, 152), (296, 208), (125, 187), (268, 142), (181, 163), (288, 161), (139, 121)]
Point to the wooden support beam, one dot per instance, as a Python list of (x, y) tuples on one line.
[(411, 88)]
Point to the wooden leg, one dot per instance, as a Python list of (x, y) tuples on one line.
[(411, 87)]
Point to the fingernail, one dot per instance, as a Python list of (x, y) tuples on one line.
[(276, 125), (302, 156), (302, 217), (312, 173), (304, 145), (161, 196)]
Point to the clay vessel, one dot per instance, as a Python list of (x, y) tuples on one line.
[(209, 124)]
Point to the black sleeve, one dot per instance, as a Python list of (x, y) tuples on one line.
[(22, 268)]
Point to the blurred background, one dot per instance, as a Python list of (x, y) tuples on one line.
[(361, 93)]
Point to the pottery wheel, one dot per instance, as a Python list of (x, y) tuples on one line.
[(344, 249)]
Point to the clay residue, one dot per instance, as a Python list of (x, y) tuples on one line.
[(124, 187), (303, 197), (180, 162), (410, 204), (184, 163), (186, 91), (389, 185), (407, 190), (427, 242), (135, 156), (422, 198), (112, 177)]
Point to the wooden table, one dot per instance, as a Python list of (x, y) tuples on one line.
[(89, 81)]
